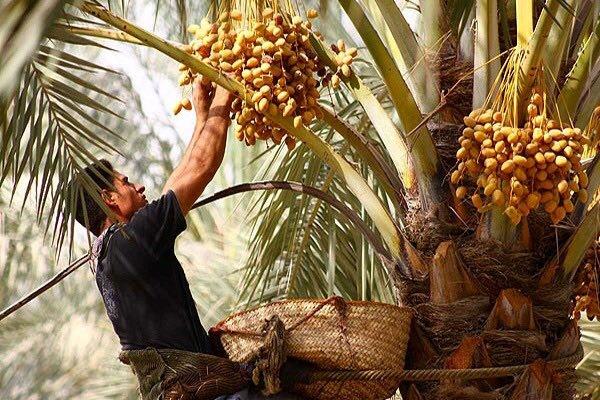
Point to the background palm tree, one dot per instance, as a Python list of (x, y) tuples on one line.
[(63, 345), (300, 246)]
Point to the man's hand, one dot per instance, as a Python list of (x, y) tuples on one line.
[(221, 104), (202, 97), (204, 154)]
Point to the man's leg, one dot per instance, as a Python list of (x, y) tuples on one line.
[(278, 396), (241, 395), (248, 394)]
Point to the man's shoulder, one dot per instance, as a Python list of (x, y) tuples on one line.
[(125, 252), (124, 236), (155, 211), (152, 229)]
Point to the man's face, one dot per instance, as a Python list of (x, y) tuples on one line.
[(128, 197)]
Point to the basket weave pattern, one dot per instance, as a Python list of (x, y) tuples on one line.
[(342, 335)]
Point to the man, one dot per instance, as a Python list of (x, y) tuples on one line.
[(144, 288)]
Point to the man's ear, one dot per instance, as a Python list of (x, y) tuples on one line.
[(107, 196)]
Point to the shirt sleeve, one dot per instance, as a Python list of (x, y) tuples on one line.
[(155, 226)]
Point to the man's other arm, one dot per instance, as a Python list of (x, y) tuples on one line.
[(204, 153)]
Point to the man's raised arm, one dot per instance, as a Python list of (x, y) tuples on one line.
[(204, 153)]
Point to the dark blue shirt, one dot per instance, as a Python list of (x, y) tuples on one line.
[(144, 288)]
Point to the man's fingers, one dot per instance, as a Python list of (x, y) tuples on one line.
[(223, 96), (202, 95), (205, 81), (207, 94), (201, 88)]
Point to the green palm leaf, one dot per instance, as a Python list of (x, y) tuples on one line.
[(578, 76), (53, 130), (424, 157), (22, 27), (588, 370), (291, 246)]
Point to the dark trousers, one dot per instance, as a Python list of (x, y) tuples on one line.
[(248, 394)]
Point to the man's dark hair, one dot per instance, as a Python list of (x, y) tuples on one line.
[(100, 173)]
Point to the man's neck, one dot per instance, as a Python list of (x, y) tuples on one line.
[(106, 225), (108, 222)]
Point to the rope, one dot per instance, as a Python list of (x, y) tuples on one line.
[(271, 357), (293, 373), (337, 301), (306, 376)]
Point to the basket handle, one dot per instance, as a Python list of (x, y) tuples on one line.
[(339, 303)]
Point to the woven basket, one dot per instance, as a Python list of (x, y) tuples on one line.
[(340, 335)]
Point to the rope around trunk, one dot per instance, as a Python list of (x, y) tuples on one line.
[(305, 376)]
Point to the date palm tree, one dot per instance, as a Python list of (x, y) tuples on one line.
[(484, 293)]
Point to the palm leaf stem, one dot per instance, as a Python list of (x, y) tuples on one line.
[(406, 51), (103, 33), (487, 47), (44, 287), (461, 18), (558, 38), (577, 78), (524, 9), (535, 51), (371, 237), (579, 243), (590, 99), (424, 156), (382, 124), (387, 131), (305, 189), (357, 185), (504, 23), (582, 25), (369, 153), (432, 31)]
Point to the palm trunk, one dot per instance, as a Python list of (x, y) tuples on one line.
[(480, 306)]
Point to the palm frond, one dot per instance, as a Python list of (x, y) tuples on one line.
[(579, 242), (487, 49), (54, 132), (53, 127), (22, 27), (590, 99), (558, 38), (406, 51), (295, 238), (578, 76), (588, 370), (292, 245)]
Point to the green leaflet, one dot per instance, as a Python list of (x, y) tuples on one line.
[(578, 76)]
